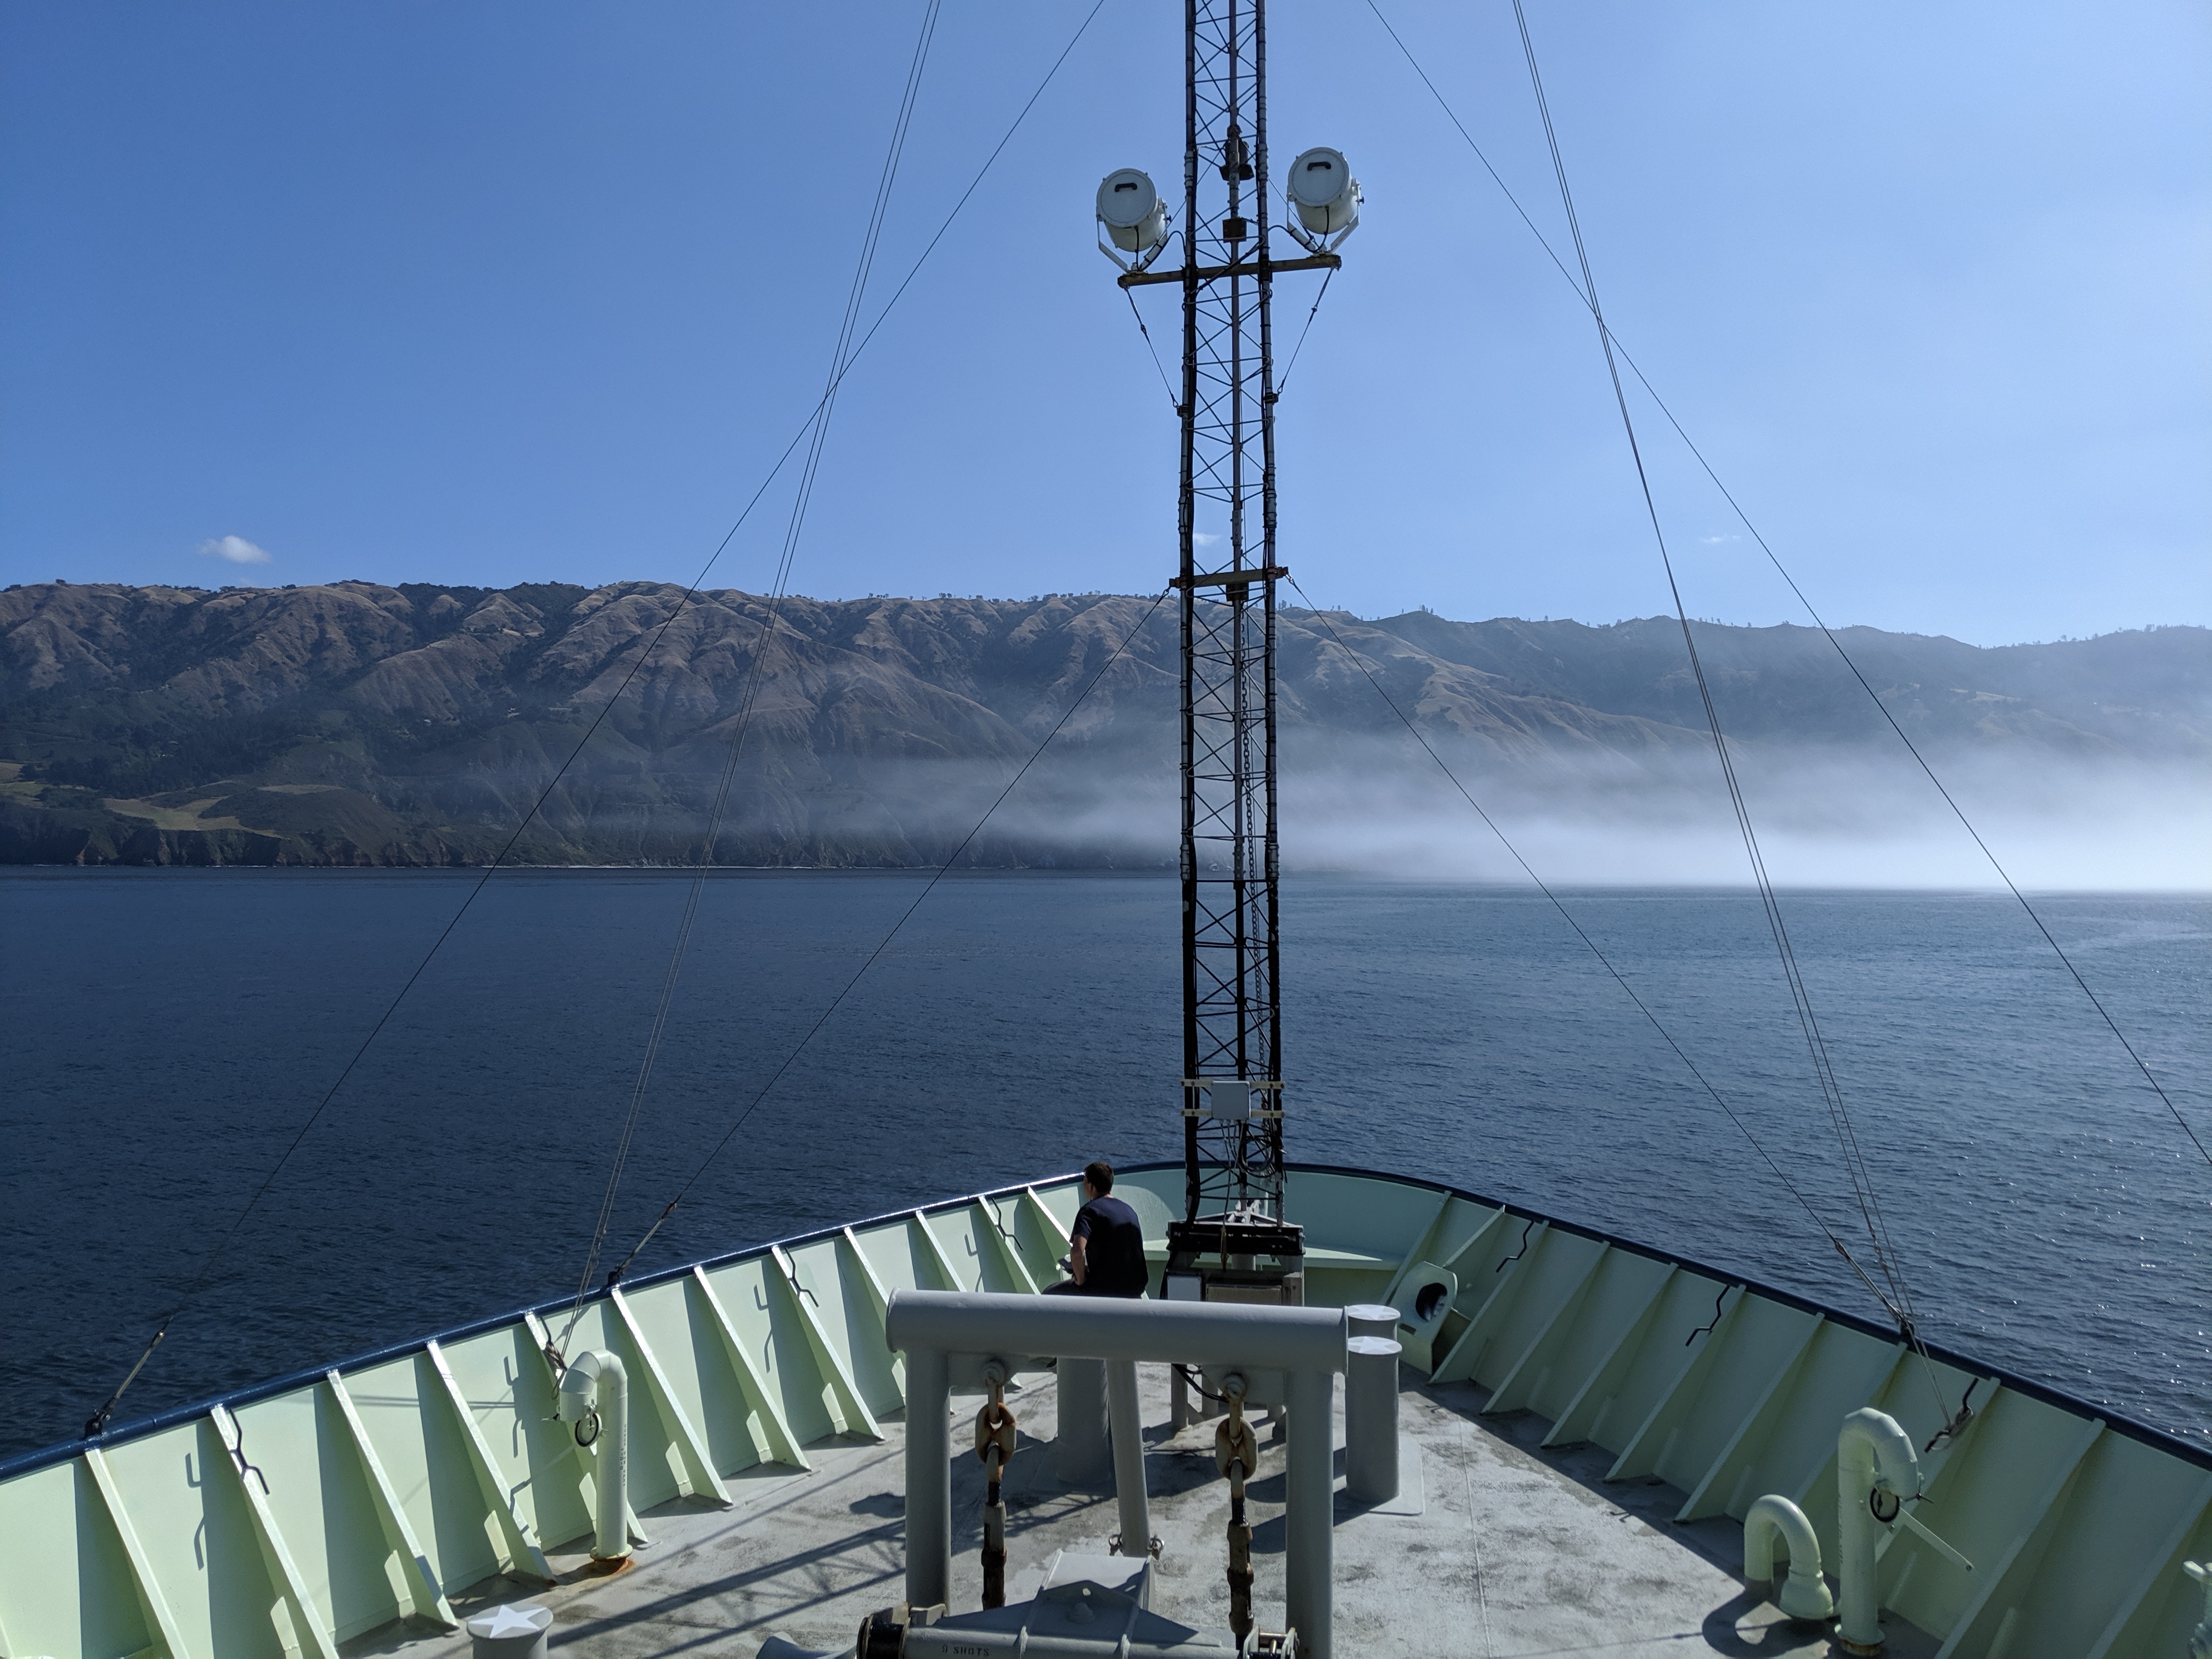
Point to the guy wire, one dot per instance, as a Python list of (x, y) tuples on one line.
[(1860, 1173), (763, 646), (1781, 570), (884, 944), (98, 1420), (1284, 385), (1359, 662), (1154, 349)]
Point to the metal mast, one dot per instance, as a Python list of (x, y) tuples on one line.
[(1231, 991), (1232, 1078)]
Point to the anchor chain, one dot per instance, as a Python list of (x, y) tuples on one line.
[(1236, 1455), (994, 1445)]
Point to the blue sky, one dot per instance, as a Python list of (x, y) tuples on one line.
[(492, 293)]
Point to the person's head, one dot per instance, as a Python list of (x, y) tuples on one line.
[(1098, 1177)]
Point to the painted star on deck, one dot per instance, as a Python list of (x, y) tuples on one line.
[(507, 1621)]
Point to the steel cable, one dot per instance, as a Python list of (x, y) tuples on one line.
[(1284, 384), (764, 646), (1886, 1258), (1155, 350), (1855, 1165), (1781, 570), (1591, 945), (884, 944), (98, 1420)]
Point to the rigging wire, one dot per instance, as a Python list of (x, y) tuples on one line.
[(884, 944), (1172, 401), (1775, 559), (98, 1422), (1856, 1167), (1913, 749), (763, 647), (1284, 385), (1360, 662)]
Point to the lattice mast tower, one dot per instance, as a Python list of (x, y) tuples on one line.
[(1232, 1078), (1232, 1015)]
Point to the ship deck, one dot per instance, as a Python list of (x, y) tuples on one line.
[(1496, 1546), (1593, 1418)]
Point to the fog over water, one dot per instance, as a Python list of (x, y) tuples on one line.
[(1831, 818), (1838, 819)]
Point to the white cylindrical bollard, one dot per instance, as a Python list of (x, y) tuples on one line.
[(1370, 1319), (1081, 1455), (594, 1385), (504, 1633), (1370, 1418), (1128, 1430)]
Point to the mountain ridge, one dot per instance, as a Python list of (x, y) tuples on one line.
[(362, 723)]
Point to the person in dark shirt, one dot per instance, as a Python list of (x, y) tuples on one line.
[(1106, 1249)]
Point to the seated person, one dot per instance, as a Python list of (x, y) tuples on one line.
[(1106, 1251)]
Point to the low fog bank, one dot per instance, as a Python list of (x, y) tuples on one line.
[(1825, 819), (1835, 823)]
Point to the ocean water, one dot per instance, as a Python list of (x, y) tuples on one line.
[(167, 1032)]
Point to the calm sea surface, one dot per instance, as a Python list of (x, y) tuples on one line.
[(166, 1033)]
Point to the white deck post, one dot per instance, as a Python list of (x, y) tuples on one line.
[(1128, 1430), (1081, 1454), (1309, 1558), (928, 1478)]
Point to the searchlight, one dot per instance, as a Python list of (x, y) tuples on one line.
[(1132, 217), (1325, 198)]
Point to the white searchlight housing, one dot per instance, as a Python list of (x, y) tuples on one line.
[(1132, 216), (1326, 197)]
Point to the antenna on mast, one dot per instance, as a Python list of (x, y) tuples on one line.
[(1232, 1241)]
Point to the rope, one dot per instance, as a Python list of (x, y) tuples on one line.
[(97, 1422), (1775, 559), (884, 944), (762, 649)]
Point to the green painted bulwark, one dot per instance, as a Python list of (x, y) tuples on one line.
[(293, 1519)]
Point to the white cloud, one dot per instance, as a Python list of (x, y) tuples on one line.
[(236, 549), (1716, 541), (1204, 538)]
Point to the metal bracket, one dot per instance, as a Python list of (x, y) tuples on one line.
[(1323, 247), (1144, 261), (1264, 269)]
